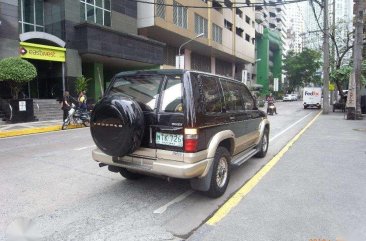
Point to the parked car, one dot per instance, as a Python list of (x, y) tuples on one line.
[(178, 124), (293, 97), (287, 97)]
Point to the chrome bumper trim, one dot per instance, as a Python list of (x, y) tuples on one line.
[(169, 168)]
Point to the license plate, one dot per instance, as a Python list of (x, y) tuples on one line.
[(169, 139)]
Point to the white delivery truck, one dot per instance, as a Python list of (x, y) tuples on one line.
[(312, 97)]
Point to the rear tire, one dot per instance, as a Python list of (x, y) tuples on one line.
[(263, 145), (130, 175), (220, 173)]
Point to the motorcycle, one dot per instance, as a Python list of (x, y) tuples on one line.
[(76, 116), (271, 109)]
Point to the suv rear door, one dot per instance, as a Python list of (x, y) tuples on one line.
[(169, 128)]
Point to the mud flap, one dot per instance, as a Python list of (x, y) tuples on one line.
[(202, 184)]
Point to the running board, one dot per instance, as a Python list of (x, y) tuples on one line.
[(241, 158)]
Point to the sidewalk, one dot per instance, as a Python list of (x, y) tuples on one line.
[(9, 130), (316, 191)]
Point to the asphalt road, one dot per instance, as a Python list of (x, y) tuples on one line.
[(51, 181)]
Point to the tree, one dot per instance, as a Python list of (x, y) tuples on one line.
[(301, 68), (341, 36), (340, 76), (81, 84), (17, 72)]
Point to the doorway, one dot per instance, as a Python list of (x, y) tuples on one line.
[(48, 83)]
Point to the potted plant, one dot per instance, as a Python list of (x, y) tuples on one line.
[(16, 72)]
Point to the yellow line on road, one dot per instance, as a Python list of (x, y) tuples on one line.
[(247, 187), (35, 130)]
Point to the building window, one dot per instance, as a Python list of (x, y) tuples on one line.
[(216, 33), (228, 25), (239, 32), (239, 13), (228, 4), (200, 25), (179, 15), (247, 37), (217, 6), (160, 8), (96, 11), (247, 19), (31, 15)]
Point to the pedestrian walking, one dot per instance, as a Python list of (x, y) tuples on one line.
[(66, 104)]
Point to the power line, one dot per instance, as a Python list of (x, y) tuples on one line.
[(242, 5)]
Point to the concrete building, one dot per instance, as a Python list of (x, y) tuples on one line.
[(227, 46), (296, 26), (67, 38), (270, 44)]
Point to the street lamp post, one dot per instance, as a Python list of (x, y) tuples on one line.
[(180, 47)]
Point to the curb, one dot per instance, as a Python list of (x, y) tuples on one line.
[(35, 130)]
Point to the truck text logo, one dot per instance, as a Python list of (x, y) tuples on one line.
[(312, 93)]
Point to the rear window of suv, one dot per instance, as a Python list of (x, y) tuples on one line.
[(145, 89)]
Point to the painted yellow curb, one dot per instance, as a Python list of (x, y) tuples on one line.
[(35, 130), (247, 187)]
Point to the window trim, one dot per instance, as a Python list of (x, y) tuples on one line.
[(34, 24), (94, 5)]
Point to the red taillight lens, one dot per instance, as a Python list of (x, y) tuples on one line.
[(190, 145)]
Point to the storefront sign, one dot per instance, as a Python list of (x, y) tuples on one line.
[(41, 52)]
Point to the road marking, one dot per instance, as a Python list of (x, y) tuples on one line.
[(175, 200), (279, 134), (83, 148), (247, 187)]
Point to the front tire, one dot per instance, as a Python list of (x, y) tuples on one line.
[(86, 123), (220, 173), (263, 145)]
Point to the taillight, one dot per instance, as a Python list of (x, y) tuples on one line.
[(190, 140)]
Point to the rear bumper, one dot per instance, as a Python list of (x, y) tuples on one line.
[(163, 167)]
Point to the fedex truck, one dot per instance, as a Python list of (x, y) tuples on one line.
[(312, 97)]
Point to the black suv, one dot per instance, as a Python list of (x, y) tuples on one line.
[(180, 124)]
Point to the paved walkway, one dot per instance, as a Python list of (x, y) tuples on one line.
[(9, 130), (316, 190)]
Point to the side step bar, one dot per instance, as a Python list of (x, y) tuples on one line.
[(241, 158)]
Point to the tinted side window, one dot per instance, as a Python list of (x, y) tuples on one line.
[(232, 96), (212, 94), (247, 98)]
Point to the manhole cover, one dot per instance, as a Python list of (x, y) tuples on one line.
[(361, 129)]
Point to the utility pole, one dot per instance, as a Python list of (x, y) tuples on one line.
[(354, 92), (326, 106), (357, 53), (333, 55)]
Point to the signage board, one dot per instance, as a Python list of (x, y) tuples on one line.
[(22, 106), (179, 61), (42, 52), (275, 84), (331, 87)]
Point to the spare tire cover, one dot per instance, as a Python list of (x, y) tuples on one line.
[(117, 125)]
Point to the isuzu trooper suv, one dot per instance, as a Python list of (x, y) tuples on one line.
[(179, 124)]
